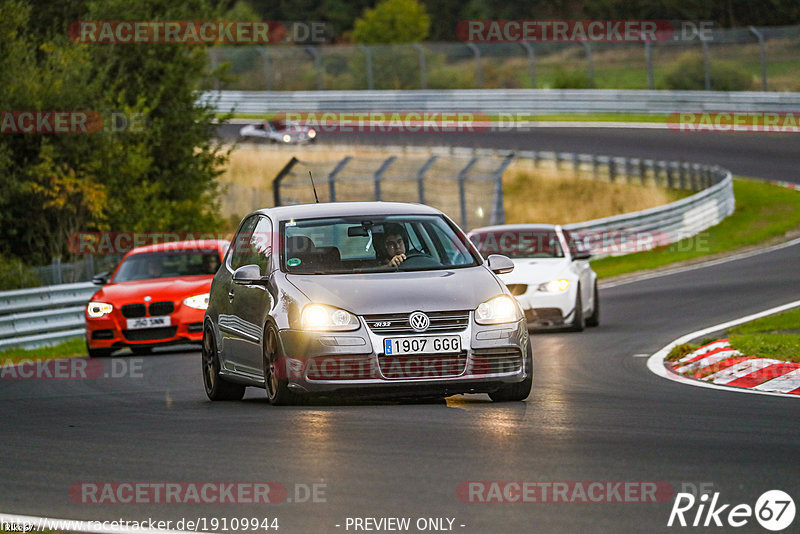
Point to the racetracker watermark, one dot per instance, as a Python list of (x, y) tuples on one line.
[(198, 32), (206, 492), (70, 369), (568, 491), (735, 121), (122, 242), (390, 121), (606, 31), (70, 122)]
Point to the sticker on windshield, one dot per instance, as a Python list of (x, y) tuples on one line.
[(293, 262)]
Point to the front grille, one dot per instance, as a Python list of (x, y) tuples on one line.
[(161, 308), (517, 289), (419, 367), (397, 323), (133, 311), (496, 360), (149, 334)]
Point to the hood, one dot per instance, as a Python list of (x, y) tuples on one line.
[(399, 292), (536, 270), (174, 289)]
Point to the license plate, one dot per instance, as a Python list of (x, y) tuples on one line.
[(397, 346), (148, 322)]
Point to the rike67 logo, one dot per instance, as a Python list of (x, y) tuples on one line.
[(774, 510)]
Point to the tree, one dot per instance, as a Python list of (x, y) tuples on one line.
[(393, 21)]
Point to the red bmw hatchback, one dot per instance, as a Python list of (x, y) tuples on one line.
[(157, 295)]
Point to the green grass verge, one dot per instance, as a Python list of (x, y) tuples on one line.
[(67, 349), (763, 211)]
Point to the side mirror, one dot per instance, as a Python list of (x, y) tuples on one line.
[(100, 279), (248, 274), (581, 255), (500, 264)]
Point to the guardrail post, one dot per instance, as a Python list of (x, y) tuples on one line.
[(531, 61), (314, 53), (332, 177), (368, 61), (499, 210), (628, 170), (379, 175), (595, 166), (276, 183), (642, 171), (762, 52), (681, 175), (462, 191), (612, 170), (478, 73), (706, 64), (423, 68), (421, 178), (576, 164)]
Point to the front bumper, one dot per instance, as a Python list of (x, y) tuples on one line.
[(111, 331), (354, 362), (544, 310)]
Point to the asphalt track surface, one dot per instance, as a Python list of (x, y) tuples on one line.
[(596, 414)]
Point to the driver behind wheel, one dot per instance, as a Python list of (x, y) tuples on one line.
[(395, 242)]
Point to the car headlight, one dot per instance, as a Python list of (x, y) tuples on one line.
[(95, 310), (312, 134), (198, 302), (501, 309), (322, 317), (555, 286), (287, 138)]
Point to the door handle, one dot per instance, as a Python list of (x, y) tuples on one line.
[(230, 295)]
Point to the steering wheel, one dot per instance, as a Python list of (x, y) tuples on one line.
[(415, 260)]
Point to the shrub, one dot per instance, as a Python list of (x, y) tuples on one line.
[(688, 74), (572, 79)]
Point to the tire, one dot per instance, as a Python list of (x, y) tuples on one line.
[(97, 353), (579, 322), (594, 318), (217, 388), (277, 388), (518, 391), (141, 350)]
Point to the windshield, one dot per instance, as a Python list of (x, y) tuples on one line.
[(372, 244), (518, 243), (168, 264)]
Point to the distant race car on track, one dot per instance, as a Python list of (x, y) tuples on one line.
[(157, 295), (552, 278), (278, 131)]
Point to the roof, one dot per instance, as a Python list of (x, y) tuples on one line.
[(346, 209), (514, 227), (173, 246)]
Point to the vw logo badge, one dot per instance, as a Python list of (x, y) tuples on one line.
[(419, 321)]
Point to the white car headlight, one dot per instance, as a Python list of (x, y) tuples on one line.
[(312, 133), (287, 138), (95, 310), (322, 317), (501, 309), (198, 302), (555, 286)]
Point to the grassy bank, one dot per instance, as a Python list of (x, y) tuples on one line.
[(763, 212), (67, 349)]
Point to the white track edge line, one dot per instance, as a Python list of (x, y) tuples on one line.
[(655, 363), (40, 522)]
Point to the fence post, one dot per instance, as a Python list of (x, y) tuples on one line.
[(379, 175), (56, 263), (589, 60), (642, 171), (423, 68), (576, 164), (478, 74), (612, 170), (314, 53), (499, 210), (682, 175), (628, 170), (332, 177), (706, 64), (462, 192), (368, 60), (276, 183), (648, 60), (762, 52), (531, 61), (421, 178)]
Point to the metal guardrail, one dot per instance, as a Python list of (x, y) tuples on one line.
[(43, 315), (497, 101)]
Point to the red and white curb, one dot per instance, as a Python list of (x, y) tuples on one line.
[(718, 366), (718, 363)]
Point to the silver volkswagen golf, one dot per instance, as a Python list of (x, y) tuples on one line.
[(375, 299)]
